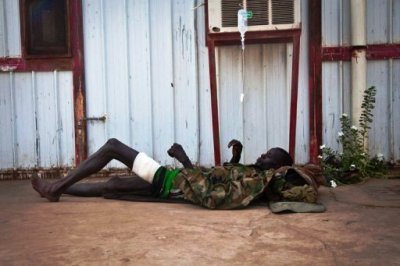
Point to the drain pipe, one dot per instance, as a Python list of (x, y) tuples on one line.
[(358, 58)]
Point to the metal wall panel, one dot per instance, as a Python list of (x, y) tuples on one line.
[(147, 70), (259, 118), (10, 40), (336, 23), (36, 120), (7, 152), (143, 55), (382, 27)]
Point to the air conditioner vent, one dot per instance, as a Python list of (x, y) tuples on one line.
[(229, 10), (283, 12), (260, 12)]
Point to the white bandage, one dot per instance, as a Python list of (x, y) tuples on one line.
[(145, 167)]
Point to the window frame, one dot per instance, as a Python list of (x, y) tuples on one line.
[(24, 20)]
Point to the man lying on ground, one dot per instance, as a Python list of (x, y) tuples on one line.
[(230, 186)]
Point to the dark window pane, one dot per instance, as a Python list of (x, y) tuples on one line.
[(46, 27)]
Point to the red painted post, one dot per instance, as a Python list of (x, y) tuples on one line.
[(314, 78), (294, 93), (78, 81), (214, 102)]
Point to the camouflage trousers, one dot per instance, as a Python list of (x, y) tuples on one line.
[(228, 187)]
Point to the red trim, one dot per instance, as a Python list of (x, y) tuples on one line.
[(214, 103), (78, 73), (314, 78), (374, 52), (74, 64), (293, 97), (24, 65)]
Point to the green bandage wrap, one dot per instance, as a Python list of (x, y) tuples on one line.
[(163, 181), (168, 181)]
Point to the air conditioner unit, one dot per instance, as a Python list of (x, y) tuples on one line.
[(266, 15)]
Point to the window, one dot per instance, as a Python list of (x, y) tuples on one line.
[(45, 28)]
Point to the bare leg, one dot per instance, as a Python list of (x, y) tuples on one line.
[(113, 185), (113, 149)]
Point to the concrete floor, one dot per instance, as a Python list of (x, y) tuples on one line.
[(360, 227)]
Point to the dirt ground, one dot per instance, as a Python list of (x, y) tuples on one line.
[(360, 227)]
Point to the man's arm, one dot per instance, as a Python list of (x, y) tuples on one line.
[(176, 151), (236, 150)]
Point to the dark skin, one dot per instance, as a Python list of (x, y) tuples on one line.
[(114, 149)]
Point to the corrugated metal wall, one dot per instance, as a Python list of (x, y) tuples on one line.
[(36, 108), (143, 72), (147, 71), (36, 120), (383, 26), (10, 41)]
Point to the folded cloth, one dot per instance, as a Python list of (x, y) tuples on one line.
[(295, 206)]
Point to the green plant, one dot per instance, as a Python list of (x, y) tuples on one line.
[(353, 164)]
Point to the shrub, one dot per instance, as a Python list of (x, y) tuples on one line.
[(353, 164)]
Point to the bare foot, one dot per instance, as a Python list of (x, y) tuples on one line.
[(44, 189)]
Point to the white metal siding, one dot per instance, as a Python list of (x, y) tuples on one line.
[(383, 26), (147, 70), (36, 120), (261, 121), (36, 108), (10, 40), (142, 72)]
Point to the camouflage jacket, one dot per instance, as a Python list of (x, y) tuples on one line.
[(235, 186)]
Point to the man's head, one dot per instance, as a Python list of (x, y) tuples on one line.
[(274, 159)]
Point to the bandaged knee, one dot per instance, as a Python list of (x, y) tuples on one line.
[(145, 167)]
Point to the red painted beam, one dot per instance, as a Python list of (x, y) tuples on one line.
[(25, 65), (374, 52), (314, 78)]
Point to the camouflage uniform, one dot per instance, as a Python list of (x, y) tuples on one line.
[(236, 186)]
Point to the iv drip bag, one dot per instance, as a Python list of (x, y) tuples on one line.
[(242, 24)]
